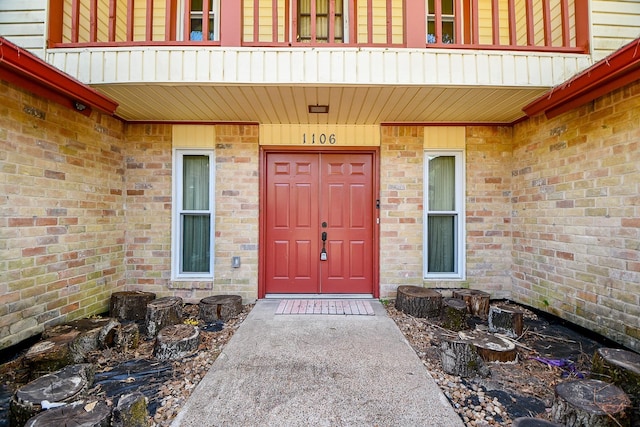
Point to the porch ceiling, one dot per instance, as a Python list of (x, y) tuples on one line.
[(282, 104)]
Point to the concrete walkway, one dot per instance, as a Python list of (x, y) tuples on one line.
[(317, 370)]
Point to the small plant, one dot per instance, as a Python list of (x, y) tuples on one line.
[(192, 322), (384, 302)]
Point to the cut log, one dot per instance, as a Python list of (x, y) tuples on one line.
[(454, 314), (89, 414), (176, 341), (491, 348), (161, 313), (507, 320), (622, 368), (127, 336), (477, 301), (533, 422), (50, 355), (130, 305), (220, 307), (65, 385), (131, 411), (419, 302), (590, 403), (459, 357)]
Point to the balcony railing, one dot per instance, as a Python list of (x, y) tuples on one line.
[(533, 25)]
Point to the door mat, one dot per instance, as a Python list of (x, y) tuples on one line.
[(344, 307)]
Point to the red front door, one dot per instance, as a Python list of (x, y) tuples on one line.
[(308, 195)]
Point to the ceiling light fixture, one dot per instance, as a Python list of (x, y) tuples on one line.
[(79, 106), (318, 109)]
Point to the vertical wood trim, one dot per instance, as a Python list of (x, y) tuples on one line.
[(566, 36), (149, 21), (530, 29), (287, 20), (205, 20), (389, 22), (495, 21), (256, 20), (171, 14), (186, 22), (415, 27), (369, 21), (112, 20), (353, 22), (468, 23), (546, 15), (582, 24), (130, 19), (331, 37), (231, 25), (93, 21), (274, 21), (75, 20), (313, 22), (56, 12), (294, 18), (475, 23), (513, 35), (438, 20), (457, 13)]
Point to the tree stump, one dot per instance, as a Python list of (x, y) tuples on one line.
[(176, 341), (419, 302), (622, 368), (491, 348), (127, 336), (131, 411), (163, 312), (459, 357), (477, 301), (590, 403), (507, 320), (454, 314), (220, 307), (533, 422), (130, 305), (65, 385), (94, 414), (50, 355)]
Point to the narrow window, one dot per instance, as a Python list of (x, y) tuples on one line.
[(194, 214), (448, 21), (327, 12), (444, 237), (199, 16)]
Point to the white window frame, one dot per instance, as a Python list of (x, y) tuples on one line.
[(177, 212), (459, 213)]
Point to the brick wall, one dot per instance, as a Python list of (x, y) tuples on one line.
[(576, 186), (62, 222), (488, 210), (148, 208)]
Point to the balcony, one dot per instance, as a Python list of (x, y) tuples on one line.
[(526, 25), (372, 61)]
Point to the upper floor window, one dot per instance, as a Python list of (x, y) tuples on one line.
[(328, 17), (444, 212), (203, 19), (447, 11), (193, 214)]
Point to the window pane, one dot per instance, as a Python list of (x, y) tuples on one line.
[(196, 238), (196, 183), (442, 183), (441, 244)]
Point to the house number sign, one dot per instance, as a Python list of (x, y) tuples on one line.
[(318, 138)]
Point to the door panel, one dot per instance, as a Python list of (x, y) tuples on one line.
[(303, 192)]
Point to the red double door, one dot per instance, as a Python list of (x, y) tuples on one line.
[(319, 219)]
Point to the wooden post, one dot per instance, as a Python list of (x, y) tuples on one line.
[(590, 403), (419, 302)]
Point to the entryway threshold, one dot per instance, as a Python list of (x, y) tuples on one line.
[(325, 306), (320, 296)]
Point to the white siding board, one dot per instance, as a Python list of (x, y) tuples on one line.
[(22, 4), (614, 24), (149, 74), (216, 66), (22, 31), (96, 69), (230, 65), (190, 62), (443, 68), (483, 70), (337, 67), (508, 71), (311, 66), (244, 61), (521, 71), (350, 67), (23, 23), (457, 69), (375, 67), (495, 70), (136, 64)]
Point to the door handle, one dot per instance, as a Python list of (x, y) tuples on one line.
[(323, 252), (324, 236)]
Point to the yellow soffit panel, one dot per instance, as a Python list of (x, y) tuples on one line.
[(444, 137), (318, 136), (193, 136)]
